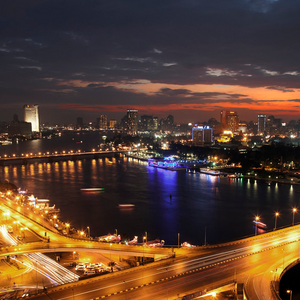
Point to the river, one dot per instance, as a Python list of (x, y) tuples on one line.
[(223, 207)]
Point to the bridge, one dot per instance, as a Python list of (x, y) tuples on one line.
[(257, 262), (25, 158)]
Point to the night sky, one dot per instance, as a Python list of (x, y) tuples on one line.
[(188, 58)]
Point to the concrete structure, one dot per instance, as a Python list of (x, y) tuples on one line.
[(103, 122), (261, 124), (202, 135), (132, 121), (31, 115)]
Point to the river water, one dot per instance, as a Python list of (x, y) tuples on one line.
[(225, 207)]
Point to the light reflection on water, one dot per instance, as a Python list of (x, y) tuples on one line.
[(225, 206)]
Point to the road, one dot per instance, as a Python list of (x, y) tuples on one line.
[(254, 261)]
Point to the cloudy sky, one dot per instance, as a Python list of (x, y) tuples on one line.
[(188, 58)]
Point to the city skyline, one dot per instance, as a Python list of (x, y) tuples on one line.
[(188, 59)]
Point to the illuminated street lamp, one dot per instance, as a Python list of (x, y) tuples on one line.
[(256, 220), (294, 210), (291, 294), (68, 227), (88, 228), (81, 233), (276, 215)]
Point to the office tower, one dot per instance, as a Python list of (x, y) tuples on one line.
[(232, 121), (132, 121), (202, 135), (79, 123), (147, 123), (155, 123), (31, 115), (112, 124), (261, 124), (103, 122)]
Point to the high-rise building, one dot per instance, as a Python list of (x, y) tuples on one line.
[(112, 124), (79, 123), (232, 121), (31, 115), (155, 123), (103, 122), (261, 124), (132, 121), (202, 135), (147, 123)]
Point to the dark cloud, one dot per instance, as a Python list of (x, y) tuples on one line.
[(279, 88), (250, 43)]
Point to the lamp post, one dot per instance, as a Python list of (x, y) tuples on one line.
[(144, 238), (68, 228), (276, 215), (178, 239), (291, 294), (88, 228), (110, 251), (294, 210), (256, 220)]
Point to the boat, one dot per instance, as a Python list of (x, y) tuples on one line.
[(94, 189), (210, 172), (167, 163), (260, 225), (126, 205)]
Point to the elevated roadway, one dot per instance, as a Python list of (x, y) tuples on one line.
[(256, 261)]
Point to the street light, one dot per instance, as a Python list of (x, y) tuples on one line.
[(178, 239), (144, 238), (294, 210), (110, 251), (276, 215), (291, 294), (88, 228), (256, 220)]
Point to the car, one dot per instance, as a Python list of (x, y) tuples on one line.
[(79, 267), (89, 271)]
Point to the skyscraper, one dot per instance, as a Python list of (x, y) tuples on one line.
[(261, 124), (132, 121), (103, 122), (31, 115), (232, 121)]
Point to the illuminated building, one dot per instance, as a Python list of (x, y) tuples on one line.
[(232, 121), (132, 121), (261, 125), (147, 123), (103, 122), (202, 135), (155, 123), (112, 124), (31, 115)]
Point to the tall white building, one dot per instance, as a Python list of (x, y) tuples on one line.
[(31, 115)]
